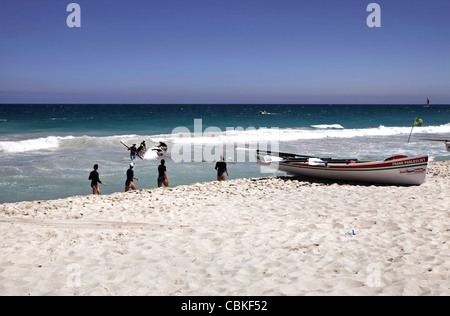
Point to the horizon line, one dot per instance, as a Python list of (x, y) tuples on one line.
[(210, 103)]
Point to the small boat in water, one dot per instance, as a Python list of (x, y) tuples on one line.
[(396, 170), (154, 152)]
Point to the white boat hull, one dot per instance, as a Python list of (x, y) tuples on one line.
[(154, 152), (403, 171)]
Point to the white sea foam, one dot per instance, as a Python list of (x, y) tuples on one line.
[(209, 136), (36, 144), (150, 155), (327, 126), (63, 142), (292, 134)]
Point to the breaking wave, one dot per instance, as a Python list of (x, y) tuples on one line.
[(43, 143), (326, 126), (292, 134), (212, 136)]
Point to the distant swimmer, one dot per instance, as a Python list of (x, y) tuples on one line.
[(263, 112), (130, 177), (162, 174), (221, 167), (95, 180)]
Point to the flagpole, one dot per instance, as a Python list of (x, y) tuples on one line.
[(414, 124)]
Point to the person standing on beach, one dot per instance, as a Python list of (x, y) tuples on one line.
[(221, 167), (130, 177), (162, 174), (95, 180)]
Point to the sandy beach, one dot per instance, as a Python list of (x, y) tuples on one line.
[(267, 236)]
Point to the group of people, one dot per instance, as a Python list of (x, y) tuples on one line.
[(163, 179), (129, 183), (141, 150)]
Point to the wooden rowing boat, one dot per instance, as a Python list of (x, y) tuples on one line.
[(397, 170)]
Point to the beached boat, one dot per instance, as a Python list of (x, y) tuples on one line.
[(396, 170)]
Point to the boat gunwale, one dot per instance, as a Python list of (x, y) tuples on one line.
[(401, 163), (348, 168)]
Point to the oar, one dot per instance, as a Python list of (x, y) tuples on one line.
[(130, 149), (437, 140), (446, 141), (125, 145)]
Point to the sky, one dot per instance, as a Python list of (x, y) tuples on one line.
[(225, 51)]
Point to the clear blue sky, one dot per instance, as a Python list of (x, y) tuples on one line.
[(224, 51)]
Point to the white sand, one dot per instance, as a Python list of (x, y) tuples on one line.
[(242, 237)]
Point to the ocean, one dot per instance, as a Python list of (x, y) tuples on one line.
[(47, 151)]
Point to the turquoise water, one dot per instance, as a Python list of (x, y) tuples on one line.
[(47, 151)]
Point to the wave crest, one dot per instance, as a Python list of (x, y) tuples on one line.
[(42, 143), (328, 126), (237, 136)]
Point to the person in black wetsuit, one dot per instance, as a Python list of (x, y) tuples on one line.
[(130, 177), (162, 174), (95, 180), (221, 167), (163, 146), (133, 151), (142, 149)]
